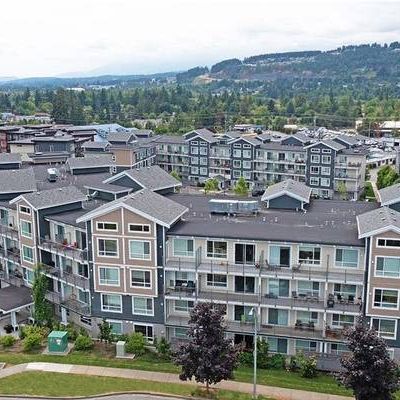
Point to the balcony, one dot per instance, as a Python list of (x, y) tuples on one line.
[(14, 278), (12, 254), (67, 275), (62, 247), (69, 302), (9, 231)]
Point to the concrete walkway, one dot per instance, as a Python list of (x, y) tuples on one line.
[(274, 392)]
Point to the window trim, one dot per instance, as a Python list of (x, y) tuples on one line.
[(28, 222), (110, 284), (104, 229), (213, 257), (385, 308), (346, 266), (142, 225), (141, 258), (186, 256), (98, 247), (116, 321), (247, 244), (307, 262), (111, 311), (387, 319), (24, 212), (143, 297), (376, 275), (386, 247), (144, 271), (23, 255)]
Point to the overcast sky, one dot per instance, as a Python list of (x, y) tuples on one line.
[(73, 37)]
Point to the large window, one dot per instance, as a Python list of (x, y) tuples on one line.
[(307, 316), (342, 321), (107, 247), (310, 255), (216, 249), (279, 256), (278, 287), (109, 276), (388, 242), (386, 298), (347, 258), (217, 280), (278, 317), (183, 247), (183, 305), (306, 345), (386, 328), (142, 306), (276, 345), (345, 290), (244, 284), (27, 254), (140, 278), (388, 267), (24, 210), (242, 314), (111, 303), (307, 288), (26, 229), (146, 331), (139, 250), (107, 226), (245, 253)]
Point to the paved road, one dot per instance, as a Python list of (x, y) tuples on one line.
[(131, 396)]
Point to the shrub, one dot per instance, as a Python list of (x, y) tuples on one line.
[(262, 354), (8, 328), (293, 365), (83, 343), (135, 344), (7, 340), (277, 361), (163, 348), (246, 358), (32, 341), (28, 330), (308, 366)]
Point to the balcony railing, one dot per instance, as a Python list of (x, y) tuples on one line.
[(67, 276), (11, 254), (9, 231), (63, 248), (13, 278), (69, 302)]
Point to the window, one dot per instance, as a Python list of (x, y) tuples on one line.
[(325, 170), (338, 348), (217, 280), (388, 242), (244, 284), (142, 306), (314, 150), (216, 249), (346, 258), (183, 305), (237, 153), (307, 316), (194, 160), (388, 267), (344, 290), (203, 143), (111, 303), (279, 256), (247, 164), (314, 181), (139, 250), (325, 182), (180, 332), (278, 317), (107, 247), (203, 171), (109, 276), (237, 145), (140, 278), (116, 327), (306, 345), (245, 253), (27, 254), (386, 298), (183, 247), (278, 287), (276, 345), (24, 210), (315, 159), (326, 159), (308, 288), (326, 151), (203, 151), (246, 146), (26, 229), (310, 255), (203, 160), (342, 321), (107, 226), (139, 228), (236, 174), (29, 276), (242, 314), (194, 170), (146, 331), (83, 296), (237, 163), (314, 170), (246, 153), (194, 150), (386, 328)]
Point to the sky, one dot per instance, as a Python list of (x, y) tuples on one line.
[(94, 37)]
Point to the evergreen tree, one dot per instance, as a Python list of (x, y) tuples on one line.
[(42, 311), (241, 188)]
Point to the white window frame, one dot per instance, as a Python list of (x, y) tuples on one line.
[(22, 232), (216, 284), (315, 158), (310, 261), (376, 274), (314, 181), (149, 340), (110, 284), (346, 266), (325, 182), (111, 311), (116, 322), (187, 310), (180, 255), (142, 225), (30, 261), (316, 167), (134, 312), (326, 159), (27, 210), (212, 256), (105, 229), (385, 239), (146, 257), (107, 256), (144, 271), (379, 331), (385, 308)]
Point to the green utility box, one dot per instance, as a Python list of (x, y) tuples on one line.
[(58, 342)]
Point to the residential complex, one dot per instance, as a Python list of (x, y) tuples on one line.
[(130, 248)]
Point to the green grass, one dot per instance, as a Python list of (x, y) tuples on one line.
[(58, 385), (150, 362)]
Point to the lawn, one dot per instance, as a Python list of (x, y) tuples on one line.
[(150, 362), (59, 385)]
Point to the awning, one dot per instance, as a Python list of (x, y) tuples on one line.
[(14, 298)]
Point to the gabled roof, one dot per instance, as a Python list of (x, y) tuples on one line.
[(90, 161), (329, 143), (108, 188), (145, 203), (249, 139), (389, 195), (153, 178), (95, 145), (17, 180), (349, 140), (299, 136), (121, 137), (203, 133), (52, 197), (378, 221), (289, 187), (10, 158)]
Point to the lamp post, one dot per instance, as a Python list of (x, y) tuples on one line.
[(253, 313)]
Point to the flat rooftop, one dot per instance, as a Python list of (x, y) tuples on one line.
[(324, 222)]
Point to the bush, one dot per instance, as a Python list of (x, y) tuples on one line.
[(293, 365), (163, 348), (262, 354), (28, 330), (277, 361), (32, 341), (135, 344), (308, 366), (8, 328), (246, 358), (7, 340), (83, 343)]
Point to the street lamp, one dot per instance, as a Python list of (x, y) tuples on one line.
[(253, 313)]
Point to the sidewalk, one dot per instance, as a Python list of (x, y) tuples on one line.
[(275, 392)]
